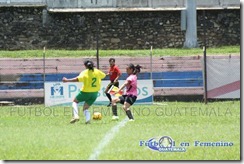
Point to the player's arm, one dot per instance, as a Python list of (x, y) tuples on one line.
[(123, 86), (118, 75), (102, 74), (108, 73), (117, 78), (70, 80)]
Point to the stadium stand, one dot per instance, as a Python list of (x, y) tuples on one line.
[(23, 78)]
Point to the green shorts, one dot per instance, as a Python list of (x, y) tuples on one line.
[(88, 97)]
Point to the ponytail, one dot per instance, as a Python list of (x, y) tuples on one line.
[(137, 69), (89, 64)]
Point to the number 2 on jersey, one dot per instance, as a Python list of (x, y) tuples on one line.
[(93, 82)]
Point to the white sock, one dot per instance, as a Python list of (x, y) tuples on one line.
[(75, 110), (87, 114)]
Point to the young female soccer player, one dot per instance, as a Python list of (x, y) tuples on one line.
[(130, 95), (91, 78)]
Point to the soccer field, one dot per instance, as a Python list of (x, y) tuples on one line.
[(197, 132)]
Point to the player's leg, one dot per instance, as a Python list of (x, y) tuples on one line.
[(129, 100), (127, 110), (80, 97), (75, 111), (114, 106), (90, 99), (86, 113), (107, 94)]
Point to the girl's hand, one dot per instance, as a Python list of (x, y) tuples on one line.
[(65, 79)]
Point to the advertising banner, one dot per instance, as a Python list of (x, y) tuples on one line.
[(59, 93)]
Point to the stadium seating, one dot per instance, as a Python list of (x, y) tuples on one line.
[(170, 75)]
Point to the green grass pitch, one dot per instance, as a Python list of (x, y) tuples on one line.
[(44, 133)]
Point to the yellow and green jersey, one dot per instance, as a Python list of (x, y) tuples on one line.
[(91, 80)]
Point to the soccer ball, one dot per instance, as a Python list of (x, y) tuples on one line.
[(97, 116)]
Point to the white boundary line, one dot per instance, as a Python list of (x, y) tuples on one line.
[(106, 139)]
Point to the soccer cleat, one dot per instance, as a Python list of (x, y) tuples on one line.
[(131, 120), (115, 118), (88, 122), (73, 120)]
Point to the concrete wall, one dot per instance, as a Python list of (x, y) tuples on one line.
[(46, 24), (24, 28)]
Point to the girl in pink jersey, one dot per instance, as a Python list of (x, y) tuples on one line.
[(130, 95)]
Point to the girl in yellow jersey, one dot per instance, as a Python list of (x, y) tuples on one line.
[(91, 78)]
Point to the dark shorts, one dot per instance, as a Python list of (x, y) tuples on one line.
[(127, 98), (111, 84)]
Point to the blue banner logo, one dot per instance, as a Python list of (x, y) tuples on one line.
[(57, 91), (163, 144)]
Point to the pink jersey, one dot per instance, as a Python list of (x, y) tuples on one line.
[(131, 88)]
